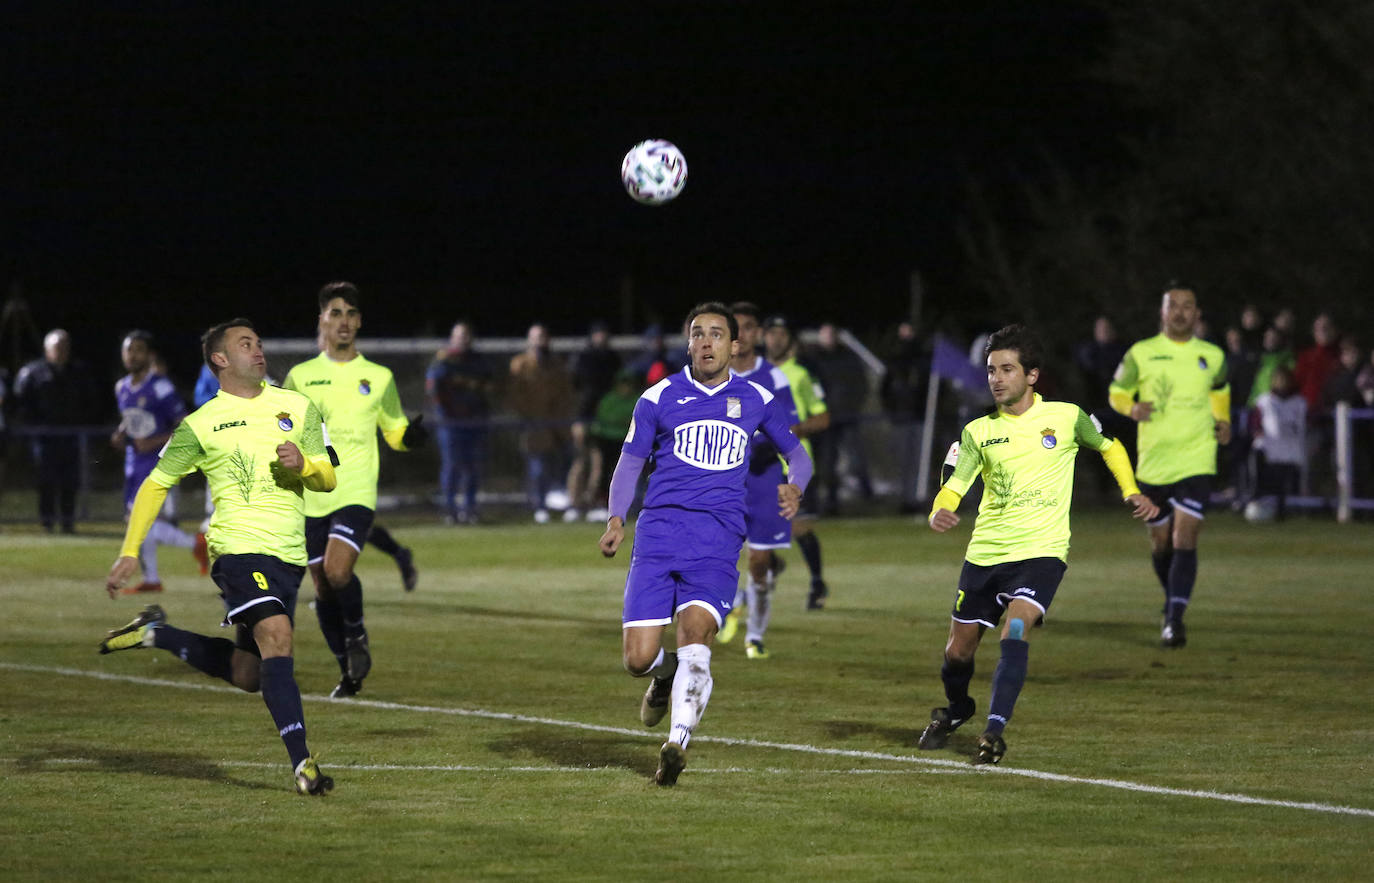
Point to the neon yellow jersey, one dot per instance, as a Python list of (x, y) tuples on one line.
[(1178, 440), (234, 441), (807, 394), (356, 398), (1026, 462)]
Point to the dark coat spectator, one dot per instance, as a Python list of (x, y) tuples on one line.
[(57, 391)]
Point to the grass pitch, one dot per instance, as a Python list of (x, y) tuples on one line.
[(497, 737)]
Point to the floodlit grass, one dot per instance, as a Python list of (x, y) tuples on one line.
[(498, 738)]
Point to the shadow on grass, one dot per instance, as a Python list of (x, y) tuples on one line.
[(76, 759), (636, 756), (903, 739), (439, 605)]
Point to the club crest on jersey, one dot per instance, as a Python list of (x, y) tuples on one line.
[(284, 422), (1047, 438), (364, 387), (1202, 362), (732, 409), (711, 444)]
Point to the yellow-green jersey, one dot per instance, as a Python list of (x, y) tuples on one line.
[(356, 398), (233, 440), (1026, 462), (1185, 383), (807, 394)]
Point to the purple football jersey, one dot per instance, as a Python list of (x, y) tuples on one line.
[(151, 408), (699, 438)]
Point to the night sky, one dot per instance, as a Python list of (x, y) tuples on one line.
[(171, 167)]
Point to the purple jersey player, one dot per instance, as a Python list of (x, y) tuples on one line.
[(149, 409), (766, 529), (697, 425)]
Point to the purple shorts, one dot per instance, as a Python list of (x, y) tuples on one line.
[(681, 558), (766, 528)]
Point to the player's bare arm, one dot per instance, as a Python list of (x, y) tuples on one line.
[(120, 571), (1223, 432), (1141, 411), (615, 535), (290, 456), (1142, 507), (943, 519), (789, 500)]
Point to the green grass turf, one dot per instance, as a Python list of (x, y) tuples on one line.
[(512, 641)]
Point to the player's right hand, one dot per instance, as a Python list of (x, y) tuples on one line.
[(1141, 411), (615, 535), (943, 520), (1142, 507), (123, 568)]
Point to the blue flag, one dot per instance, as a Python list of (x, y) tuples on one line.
[(952, 363)]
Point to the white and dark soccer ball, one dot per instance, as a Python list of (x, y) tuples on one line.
[(654, 172)]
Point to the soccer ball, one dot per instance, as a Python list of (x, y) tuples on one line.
[(654, 172)]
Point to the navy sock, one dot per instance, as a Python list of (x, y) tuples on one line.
[(382, 539), (956, 676), (1162, 562), (1006, 682), (210, 655), (811, 551), (331, 625), (350, 599), (283, 698), (1182, 575)]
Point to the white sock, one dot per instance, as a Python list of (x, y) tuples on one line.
[(760, 610), (691, 691), (147, 556), (170, 535)]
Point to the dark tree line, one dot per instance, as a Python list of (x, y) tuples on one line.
[(1244, 166)]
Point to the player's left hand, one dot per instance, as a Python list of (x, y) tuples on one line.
[(415, 435), (290, 457), (789, 500), (615, 534), (1223, 432), (1142, 507), (123, 568)]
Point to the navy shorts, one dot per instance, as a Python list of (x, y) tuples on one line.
[(766, 529), (351, 524), (986, 590), (681, 559), (254, 587), (1188, 495)]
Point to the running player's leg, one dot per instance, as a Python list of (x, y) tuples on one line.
[(975, 609), (1189, 501), (758, 591), (340, 556)]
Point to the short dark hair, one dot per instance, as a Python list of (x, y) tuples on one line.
[(213, 339), (746, 308), (140, 334), (1019, 338), (715, 308), (346, 290), (1179, 285)]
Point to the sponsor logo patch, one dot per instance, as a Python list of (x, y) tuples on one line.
[(711, 444)]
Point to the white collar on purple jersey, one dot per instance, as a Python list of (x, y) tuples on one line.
[(709, 390)]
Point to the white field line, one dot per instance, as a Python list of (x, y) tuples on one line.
[(951, 765)]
